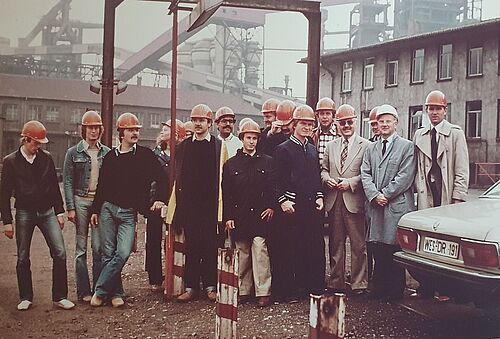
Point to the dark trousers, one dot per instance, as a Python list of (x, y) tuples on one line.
[(154, 237), (388, 278), (298, 253), (201, 255)]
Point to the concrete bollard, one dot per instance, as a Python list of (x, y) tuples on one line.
[(227, 293), (327, 316)]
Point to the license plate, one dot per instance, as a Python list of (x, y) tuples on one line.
[(441, 247)]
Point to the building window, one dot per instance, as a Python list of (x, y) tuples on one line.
[(498, 118), (155, 120), (473, 119), (140, 116), (346, 77), (444, 66), (417, 69), (76, 115), (475, 62), (11, 112), (34, 112), (52, 113), (448, 113), (391, 76), (366, 131), (416, 120), (368, 73)]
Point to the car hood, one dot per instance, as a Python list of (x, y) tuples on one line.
[(477, 219)]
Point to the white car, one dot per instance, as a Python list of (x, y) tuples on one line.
[(455, 248)]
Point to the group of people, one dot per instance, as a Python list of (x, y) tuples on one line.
[(267, 190)]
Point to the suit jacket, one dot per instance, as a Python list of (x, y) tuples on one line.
[(392, 175), (354, 198), (453, 159)]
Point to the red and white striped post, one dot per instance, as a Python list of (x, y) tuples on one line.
[(175, 259), (327, 316), (227, 293)]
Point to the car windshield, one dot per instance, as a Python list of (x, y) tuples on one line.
[(493, 191)]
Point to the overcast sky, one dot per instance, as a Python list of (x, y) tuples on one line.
[(139, 22)]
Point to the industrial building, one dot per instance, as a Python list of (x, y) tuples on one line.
[(463, 62)]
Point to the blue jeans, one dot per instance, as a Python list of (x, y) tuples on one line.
[(82, 209), (46, 221), (117, 231)]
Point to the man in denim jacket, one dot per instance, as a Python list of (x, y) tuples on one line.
[(81, 172)]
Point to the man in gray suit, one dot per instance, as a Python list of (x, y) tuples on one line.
[(387, 175), (344, 202)]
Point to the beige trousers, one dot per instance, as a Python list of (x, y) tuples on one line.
[(345, 224), (254, 267)]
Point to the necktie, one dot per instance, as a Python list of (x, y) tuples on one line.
[(434, 147), (435, 176), (343, 155), (384, 146)]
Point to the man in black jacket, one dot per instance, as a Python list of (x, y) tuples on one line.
[(29, 175), (299, 266), (280, 129), (249, 195), (123, 190)]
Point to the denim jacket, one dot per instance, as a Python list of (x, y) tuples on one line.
[(76, 173)]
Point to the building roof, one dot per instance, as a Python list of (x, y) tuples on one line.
[(473, 30), (18, 86)]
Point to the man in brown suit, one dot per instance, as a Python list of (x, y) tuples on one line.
[(345, 201)]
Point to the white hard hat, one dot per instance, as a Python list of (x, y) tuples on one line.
[(387, 109)]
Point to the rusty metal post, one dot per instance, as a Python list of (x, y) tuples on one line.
[(173, 94), (327, 316), (313, 57), (107, 83)]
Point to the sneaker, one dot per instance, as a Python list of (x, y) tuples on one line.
[(65, 304), (96, 301), (117, 302), (87, 298), (24, 305)]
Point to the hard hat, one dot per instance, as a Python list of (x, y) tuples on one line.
[(201, 111), (222, 112), (372, 117), (284, 112), (35, 130), (127, 120), (387, 109), (325, 104), (436, 98), (345, 112), (91, 118), (304, 112), (243, 121), (189, 126), (249, 126), (270, 106)]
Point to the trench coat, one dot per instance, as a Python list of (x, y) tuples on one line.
[(392, 175), (453, 159)]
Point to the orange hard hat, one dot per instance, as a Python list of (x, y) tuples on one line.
[(189, 126), (270, 106), (345, 112), (249, 126), (222, 112), (284, 112), (436, 98), (91, 118), (325, 104), (127, 120), (372, 117), (304, 112), (179, 127), (202, 111), (35, 130)]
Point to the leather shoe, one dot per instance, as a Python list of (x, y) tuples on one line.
[(186, 296), (212, 295), (358, 292), (264, 301)]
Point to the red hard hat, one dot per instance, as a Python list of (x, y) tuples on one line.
[(345, 112), (249, 126), (91, 118), (325, 104), (304, 112), (372, 117), (436, 98), (270, 106), (201, 111), (284, 112), (127, 120), (35, 130), (222, 112)]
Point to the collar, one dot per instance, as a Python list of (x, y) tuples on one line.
[(83, 145), (350, 140), (26, 157), (439, 127), (389, 139), (118, 150), (331, 130), (207, 137), (298, 142), (230, 137)]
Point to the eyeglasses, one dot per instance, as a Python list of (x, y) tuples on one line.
[(345, 122), (226, 121), (373, 123)]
